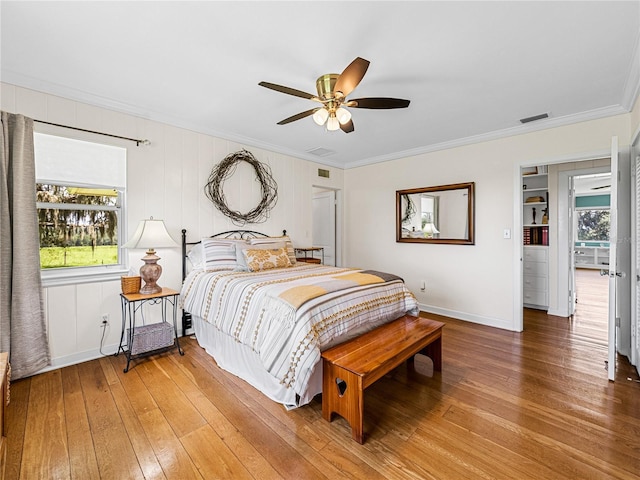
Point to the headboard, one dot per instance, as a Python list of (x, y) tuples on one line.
[(237, 234)]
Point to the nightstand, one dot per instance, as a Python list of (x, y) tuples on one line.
[(147, 339), (309, 250)]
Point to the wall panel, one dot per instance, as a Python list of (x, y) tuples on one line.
[(164, 179)]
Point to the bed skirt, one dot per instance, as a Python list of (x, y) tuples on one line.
[(243, 362), (240, 360)]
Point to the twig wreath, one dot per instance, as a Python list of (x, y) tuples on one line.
[(409, 209), (227, 167)]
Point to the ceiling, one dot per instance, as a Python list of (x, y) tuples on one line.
[(470, 69), (594, 184)]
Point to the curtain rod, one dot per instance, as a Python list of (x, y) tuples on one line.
[(138, 142)]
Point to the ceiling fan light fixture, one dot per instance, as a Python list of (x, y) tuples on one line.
[(343, 115), (332, 123), (320, 117), (333, 90)]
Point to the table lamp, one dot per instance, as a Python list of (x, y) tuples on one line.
[(151, 234), (429, 230)]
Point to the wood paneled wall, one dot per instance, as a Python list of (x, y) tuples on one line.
[(165, 180)]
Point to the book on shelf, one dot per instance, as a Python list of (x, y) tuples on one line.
[(535, 235)]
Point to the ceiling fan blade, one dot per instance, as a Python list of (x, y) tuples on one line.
[(378, 103), (289, 91), (347, 127), (351, 76), (298, 116)]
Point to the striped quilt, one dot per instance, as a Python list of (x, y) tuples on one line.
[(288, 315)]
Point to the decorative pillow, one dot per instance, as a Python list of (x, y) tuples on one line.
[(241, 261), (285, 238), (266, 259), (219, 254)]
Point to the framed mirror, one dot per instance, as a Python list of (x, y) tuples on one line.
[(442, 214)]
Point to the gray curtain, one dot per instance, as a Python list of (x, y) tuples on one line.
[(22, 324)]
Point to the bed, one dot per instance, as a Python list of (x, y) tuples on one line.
[(266, 317)]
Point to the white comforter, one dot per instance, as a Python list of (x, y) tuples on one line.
[(288, 316)]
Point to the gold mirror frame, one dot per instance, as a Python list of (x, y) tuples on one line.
[(405, 234)]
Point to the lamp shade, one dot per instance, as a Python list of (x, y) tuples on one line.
[(430, 229), (332, 123), (320, 117), (151, 234), (343, 115)]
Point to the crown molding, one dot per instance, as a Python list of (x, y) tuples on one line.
[(497, 134), (24, 81), (632, 84)]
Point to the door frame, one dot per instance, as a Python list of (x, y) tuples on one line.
[(634, 160), (518, 252), (339, 219), (565, 235)]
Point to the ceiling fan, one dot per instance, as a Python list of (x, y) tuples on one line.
[(332, 94)]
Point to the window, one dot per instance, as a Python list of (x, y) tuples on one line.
[(78, 225), (80, 192), (593, 225)]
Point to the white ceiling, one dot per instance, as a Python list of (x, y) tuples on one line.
[(595, 184), (470, 69)]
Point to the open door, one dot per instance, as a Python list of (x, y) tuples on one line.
[(572, 246), (324, 224), (613, 255), (635, 324)]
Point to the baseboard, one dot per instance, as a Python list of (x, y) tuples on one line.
[(80, 357), (469, 317), (108, 350)]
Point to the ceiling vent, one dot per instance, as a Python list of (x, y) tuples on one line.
[(534, 118), (321, 152)]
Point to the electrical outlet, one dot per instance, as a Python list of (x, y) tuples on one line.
[(423, 285), (105, 319)]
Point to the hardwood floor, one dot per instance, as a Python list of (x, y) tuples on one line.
[(531, 405)]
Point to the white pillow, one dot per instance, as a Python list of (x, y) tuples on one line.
[(195, 257), (218, 254)]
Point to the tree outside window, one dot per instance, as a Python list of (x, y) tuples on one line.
[(593, 225), (78, 226), (80, 198)]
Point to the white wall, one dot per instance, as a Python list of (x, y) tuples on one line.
[(635, 120), (164, 180), (473, 282)]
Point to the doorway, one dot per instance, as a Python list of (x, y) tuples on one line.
[(589, 221), (562, 298), (575, 260), (326, 224)]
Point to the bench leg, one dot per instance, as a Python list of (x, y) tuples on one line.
[(434, 352), (347, 400)]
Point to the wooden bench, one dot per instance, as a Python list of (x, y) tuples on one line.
[(354, 365)]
